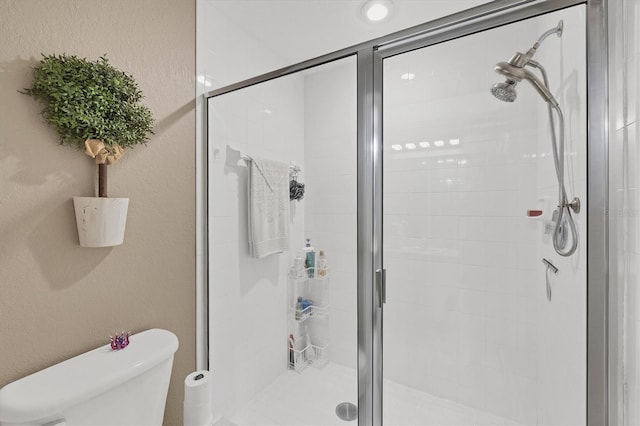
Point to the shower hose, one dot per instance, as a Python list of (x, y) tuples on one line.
[(564, 207)]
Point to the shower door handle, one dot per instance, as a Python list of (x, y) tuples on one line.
[(381, 286)]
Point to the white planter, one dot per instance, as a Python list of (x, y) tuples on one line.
[(101, 221)]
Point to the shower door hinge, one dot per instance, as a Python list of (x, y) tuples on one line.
[(381, 285)]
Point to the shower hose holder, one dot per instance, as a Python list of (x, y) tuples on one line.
[(574, 204)]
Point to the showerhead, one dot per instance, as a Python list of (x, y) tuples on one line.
[(515, 72), (505, 92), (514, 75)]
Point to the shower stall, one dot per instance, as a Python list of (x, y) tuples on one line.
[(455, 228)]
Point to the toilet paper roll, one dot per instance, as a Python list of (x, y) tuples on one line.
[(197, 399)]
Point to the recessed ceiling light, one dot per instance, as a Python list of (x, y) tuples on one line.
[(410, 145), (439, 143), (408, 76), (424, 144), (396, 147), (376, 10)]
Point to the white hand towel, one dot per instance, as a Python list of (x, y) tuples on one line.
[(268, 207)]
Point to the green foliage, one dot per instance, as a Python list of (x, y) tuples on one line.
[(91, 100)]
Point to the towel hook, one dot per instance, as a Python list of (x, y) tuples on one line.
[(294, 169)]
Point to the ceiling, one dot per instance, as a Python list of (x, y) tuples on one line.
[(296, 30)]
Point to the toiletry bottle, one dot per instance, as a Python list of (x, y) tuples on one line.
[(322, 264), (310, 258), (292, 359), (299, 308)]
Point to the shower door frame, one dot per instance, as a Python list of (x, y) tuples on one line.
[(370, 297)]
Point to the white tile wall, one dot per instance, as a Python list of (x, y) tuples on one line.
[(331, 194), (562, 323), (226, 53), (624, 202), (310, 120), (467, 318), (247, 296)]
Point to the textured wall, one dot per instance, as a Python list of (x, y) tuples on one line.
[(56, 298)]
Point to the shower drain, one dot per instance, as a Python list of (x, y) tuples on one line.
[(347, 411)]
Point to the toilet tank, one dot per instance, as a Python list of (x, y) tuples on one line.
[(99, 387)]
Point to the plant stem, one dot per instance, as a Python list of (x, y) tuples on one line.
[(102, 180)]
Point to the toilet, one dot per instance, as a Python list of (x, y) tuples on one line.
[(100, 387)]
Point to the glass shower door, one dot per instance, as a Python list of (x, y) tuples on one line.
[(477, 329), (283, 325)]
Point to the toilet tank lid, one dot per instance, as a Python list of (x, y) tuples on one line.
[(51, 391)]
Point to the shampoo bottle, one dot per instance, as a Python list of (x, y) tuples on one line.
[(310, 258), (322, 264)]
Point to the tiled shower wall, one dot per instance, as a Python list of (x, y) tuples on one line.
[(247, 296), (331, 194), (467, 317), (459, 319), (562, 329), (624, 175)]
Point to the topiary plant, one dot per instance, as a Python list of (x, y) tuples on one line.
[(93, 106)]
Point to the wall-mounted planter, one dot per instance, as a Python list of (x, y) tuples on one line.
[(101, 221), (106, 119)]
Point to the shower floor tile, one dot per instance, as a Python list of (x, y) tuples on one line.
[(311, 397)]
